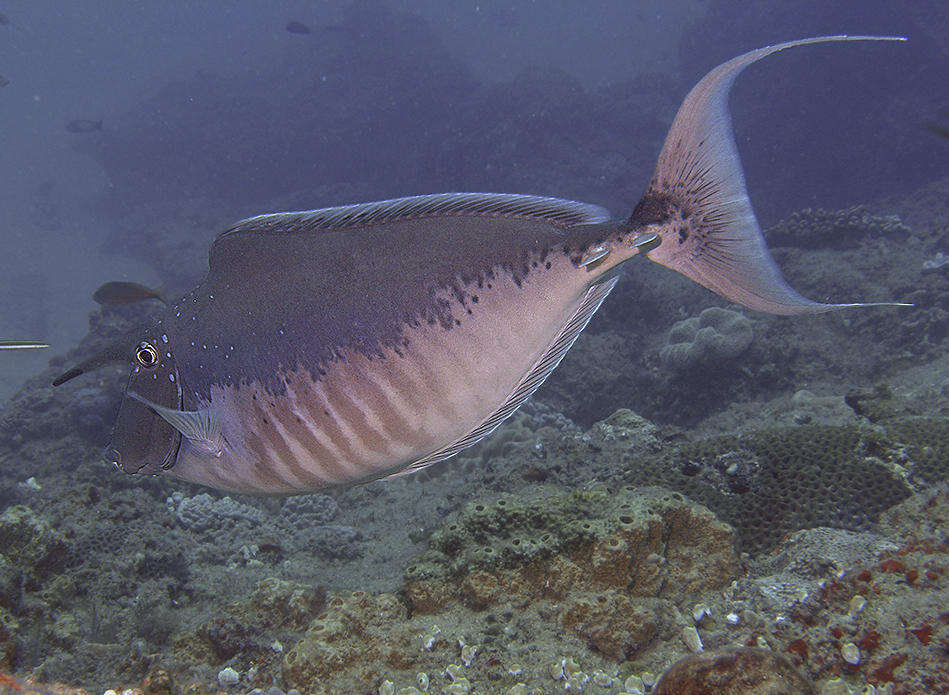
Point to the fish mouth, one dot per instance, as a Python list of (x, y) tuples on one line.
[(114, 456)]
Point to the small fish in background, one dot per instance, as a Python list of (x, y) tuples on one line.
[(939, 127), (83, 125), (4, 81), (4, 20), (297, 28), (22, 345), (118, 293)]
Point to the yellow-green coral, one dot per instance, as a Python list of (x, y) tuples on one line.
[(592, 538)]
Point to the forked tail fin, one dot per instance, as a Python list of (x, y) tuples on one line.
[(698, 204)]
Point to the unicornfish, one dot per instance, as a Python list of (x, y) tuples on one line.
[(347, 344)]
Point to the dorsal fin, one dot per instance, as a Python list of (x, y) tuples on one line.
[(698, 196), (559, 212)]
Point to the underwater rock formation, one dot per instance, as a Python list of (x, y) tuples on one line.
[(764, 483)]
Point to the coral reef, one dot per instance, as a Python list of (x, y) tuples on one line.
[(599, 539), (355, 642), (764, 483), (606, 570), (770, 482), (879, 621), (817, 229), (31, 551), (611, 573)]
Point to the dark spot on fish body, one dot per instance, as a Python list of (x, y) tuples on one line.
[(654, 208)]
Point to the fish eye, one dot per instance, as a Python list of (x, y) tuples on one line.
[(146, 354)]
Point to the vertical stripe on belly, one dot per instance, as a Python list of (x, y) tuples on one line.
[(392, 403), (365, 438)]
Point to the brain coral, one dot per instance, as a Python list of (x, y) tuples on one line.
[(714, 335), (772, 482)]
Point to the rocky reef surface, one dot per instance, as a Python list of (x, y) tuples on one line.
[(758, 497)]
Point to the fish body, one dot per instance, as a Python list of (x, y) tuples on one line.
[(83, 125), (335, 346), (4, 81), (354, 378), (119, 292)]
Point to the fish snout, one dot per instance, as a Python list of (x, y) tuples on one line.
[(115, 458)]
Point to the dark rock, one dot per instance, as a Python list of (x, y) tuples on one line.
[(733, 671)]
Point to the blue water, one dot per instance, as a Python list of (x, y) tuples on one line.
[(212, 112)]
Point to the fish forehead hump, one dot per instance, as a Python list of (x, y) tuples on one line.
[(293, 290)]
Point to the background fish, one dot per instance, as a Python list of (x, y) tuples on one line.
[(347, 344), (119, 292), (297, 28), (22, 345), (939, 127)]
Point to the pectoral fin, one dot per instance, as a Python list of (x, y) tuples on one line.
[(201, 427)]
